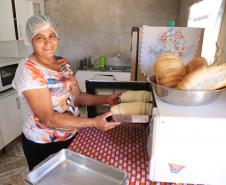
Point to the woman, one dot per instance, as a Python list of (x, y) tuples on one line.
[(50, 96)]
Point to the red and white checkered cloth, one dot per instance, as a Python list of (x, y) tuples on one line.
[(124, 147)]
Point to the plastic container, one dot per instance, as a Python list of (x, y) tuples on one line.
[(102, 62), (170, 23)]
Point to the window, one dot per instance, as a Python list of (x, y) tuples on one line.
[(207, 14)]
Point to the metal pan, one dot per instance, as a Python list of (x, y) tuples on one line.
[(129, 118), (69, 168)]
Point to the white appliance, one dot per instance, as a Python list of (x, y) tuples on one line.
[(8, 68), (187, 144)]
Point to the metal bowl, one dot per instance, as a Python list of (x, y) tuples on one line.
[(183, 97)]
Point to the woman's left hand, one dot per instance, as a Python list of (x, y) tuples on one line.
[(114, 99)]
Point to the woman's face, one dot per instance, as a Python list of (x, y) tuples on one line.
[(45, 43)]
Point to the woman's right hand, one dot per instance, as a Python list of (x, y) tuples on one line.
[(101, 122)]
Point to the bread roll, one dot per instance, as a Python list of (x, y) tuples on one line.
[(170, 78), (132, 108), (170, 81), (133, 96), (195, 63), (169, 66), (205, 78)]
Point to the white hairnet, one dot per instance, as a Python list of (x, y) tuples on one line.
[(35, 24)]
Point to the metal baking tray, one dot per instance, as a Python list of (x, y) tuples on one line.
[(69, 168), (129, 118)]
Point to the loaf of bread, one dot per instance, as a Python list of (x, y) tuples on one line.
[(170, 80), (169, 70), (136, 96), (205, 78), (195, 63), (132, 108)]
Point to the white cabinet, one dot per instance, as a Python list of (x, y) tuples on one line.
[(7, 31), (23, 10), (10, 118), (82, 76)]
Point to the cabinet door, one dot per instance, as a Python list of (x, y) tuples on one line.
[(7, 31), (121, 76), (82, 76), (23, 12), (11, 118)]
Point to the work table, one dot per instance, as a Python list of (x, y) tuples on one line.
[(124, 147)]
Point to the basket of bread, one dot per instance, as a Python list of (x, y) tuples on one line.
[(195, 83)]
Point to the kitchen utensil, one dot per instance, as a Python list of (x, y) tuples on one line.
[(129, 118), (183, 97), (67, 167)]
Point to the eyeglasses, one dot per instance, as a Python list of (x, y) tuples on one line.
[(41, 38)]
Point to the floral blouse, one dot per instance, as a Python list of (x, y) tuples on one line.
[(62, 87)]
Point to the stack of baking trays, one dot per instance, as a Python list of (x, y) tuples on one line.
[(70, 168)]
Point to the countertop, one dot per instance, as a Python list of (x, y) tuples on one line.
[(107, 69)]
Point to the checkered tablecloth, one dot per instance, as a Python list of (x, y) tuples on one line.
[(124, 147)]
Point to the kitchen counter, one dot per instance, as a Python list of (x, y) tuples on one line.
[(107, 69)]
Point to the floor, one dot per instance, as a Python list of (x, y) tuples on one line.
[(13, 166)]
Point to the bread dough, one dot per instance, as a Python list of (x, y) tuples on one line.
[(136, 96), (132, 108)]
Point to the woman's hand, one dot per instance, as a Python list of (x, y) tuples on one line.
[(101, 122), (113, 99)]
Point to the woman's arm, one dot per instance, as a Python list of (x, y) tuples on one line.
[(89, 99), (41, 105)]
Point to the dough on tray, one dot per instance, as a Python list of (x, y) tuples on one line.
[(136, 96), (132, 108)]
